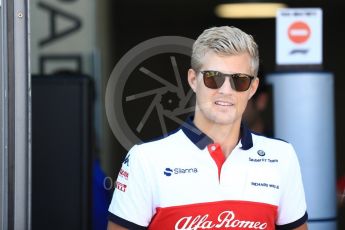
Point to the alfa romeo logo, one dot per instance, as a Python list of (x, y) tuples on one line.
[(141, 100)]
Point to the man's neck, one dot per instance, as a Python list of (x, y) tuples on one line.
[(225, 135)]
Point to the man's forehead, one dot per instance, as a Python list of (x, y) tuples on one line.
[(227, 63)]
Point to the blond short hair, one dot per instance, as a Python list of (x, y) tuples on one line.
[(225, 40)]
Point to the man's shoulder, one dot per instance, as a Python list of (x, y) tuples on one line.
[(159, 150), (278, 146), (258, 138), (171, 140)]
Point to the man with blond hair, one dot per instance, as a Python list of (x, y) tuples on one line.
[(213, 172)]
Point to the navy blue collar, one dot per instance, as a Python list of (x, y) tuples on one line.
[(201, 140)]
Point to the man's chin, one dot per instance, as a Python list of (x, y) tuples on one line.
[(224, 121)]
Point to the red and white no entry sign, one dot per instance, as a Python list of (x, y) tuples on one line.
[(299, 36), (299, 32)]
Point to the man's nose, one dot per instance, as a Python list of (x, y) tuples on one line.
[(226, 87)]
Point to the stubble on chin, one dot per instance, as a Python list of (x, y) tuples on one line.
[(216, 118)]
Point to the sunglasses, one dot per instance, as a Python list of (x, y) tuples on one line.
[(238, 81)]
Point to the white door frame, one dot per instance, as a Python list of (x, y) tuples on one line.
[(15, 120)]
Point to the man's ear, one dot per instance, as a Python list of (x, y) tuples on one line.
[(192, 79), (253, 87)]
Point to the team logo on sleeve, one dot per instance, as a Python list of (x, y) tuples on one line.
[(120, 186), (126, 160), (123, 174)]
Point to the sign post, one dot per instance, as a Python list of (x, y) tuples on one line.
[(298, 116), (299, 36)]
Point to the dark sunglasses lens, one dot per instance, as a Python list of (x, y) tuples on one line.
[(213, 79), (241, 82)]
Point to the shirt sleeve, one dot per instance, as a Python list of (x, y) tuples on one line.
[(292, 210), (131, 205)]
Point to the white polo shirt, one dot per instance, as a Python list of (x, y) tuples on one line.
[(184, 182)]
